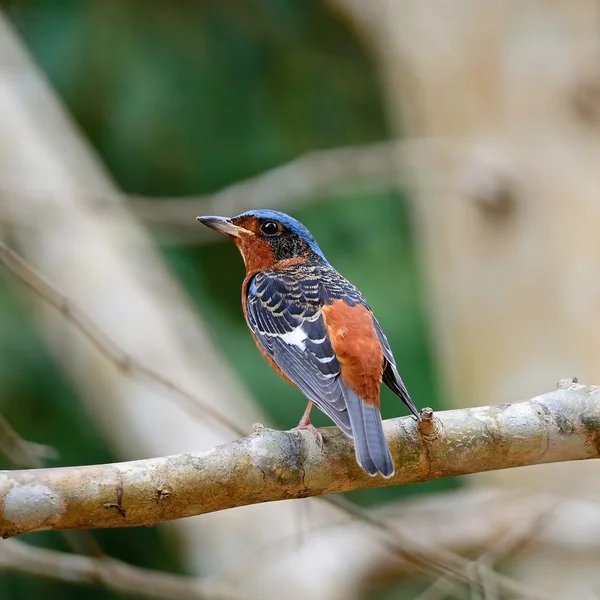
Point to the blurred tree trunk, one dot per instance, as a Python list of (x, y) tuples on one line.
[(509, 233)]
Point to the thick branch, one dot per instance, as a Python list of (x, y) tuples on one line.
[(276, 465)]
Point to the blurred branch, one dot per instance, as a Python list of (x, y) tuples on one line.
[(276, 465), (122, 361), (293, 183), (302, 178), (289, 185), (20, 452), (513, 538), (484, 523), (109, 573)]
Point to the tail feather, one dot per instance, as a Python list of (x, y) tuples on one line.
[(392, 379), (371, 447)]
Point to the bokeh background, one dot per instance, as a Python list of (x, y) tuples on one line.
[(185, 97)]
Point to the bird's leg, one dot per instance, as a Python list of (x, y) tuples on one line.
[(305, 420), (305, 423)]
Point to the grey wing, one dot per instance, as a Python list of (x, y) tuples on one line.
[(391, 377), (288, 323)]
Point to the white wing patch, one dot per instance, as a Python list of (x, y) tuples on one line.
[(295, 337)]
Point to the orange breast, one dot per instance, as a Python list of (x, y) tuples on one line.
[(355, 342)]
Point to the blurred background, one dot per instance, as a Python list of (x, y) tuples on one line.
[(472, 235)]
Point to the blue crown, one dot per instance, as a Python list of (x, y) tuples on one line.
[(292, 224)]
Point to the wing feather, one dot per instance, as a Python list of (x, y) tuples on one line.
[(391, 377), (290, 327)]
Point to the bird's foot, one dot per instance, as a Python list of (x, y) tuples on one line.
[(306, 424)]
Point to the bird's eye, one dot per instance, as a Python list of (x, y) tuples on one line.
[(269, 227)]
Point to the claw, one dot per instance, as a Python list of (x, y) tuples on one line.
[(317, 433)]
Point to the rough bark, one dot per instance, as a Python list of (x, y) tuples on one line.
[(276, 465)]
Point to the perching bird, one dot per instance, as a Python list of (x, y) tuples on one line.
[(315, 329)]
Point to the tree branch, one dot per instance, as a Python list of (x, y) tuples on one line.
[(304, 177), (294, 183), (274, 465), (18, 451), (112, 574), (35, 281)]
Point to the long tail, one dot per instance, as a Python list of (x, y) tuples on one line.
[(371, 447)]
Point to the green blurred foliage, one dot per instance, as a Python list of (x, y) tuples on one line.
[(186, 97)]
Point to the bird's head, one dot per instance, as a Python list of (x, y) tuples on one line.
[(266, 237)]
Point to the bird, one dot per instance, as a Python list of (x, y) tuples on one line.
[(315, 329)]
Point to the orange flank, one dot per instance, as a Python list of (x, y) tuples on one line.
[(355, 342)]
